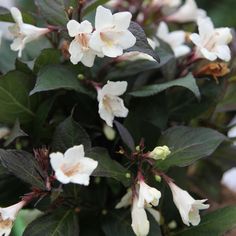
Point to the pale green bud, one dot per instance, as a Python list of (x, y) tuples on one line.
[(158, 178), (109, 132), (160, 153)]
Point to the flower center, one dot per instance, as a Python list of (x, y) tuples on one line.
[(107, 103), (5, 223), (70, 170), (106, 38), (211, 41), (83, 40)]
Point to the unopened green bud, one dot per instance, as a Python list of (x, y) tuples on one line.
[(128, 175), (137, 148), (109, 132), (160, 153), (158, 178), (80, 77)]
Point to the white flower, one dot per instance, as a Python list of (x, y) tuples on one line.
[(188, 207), (79, 47), (126, 200), (140, 223), (23, 33), (148, 195), (73, 166), (110, 105), (175, 39), (212, 43), (7, 4), (229, 179), (155, 214), (187, 13), (168, 3), (160, 152), (7, 217), (112, 36)]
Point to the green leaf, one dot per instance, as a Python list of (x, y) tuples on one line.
[(54, 77), (5, 15), (68, 134), (24, 166), (141, 44), (16, 132), (58, 223), (188, 144), (53, 11), (108, 167), (213, 224), (14, 99), (92, 6), (48, 56), (188, 82), (118, 222)]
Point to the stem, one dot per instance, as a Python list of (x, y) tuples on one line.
[(80, 7)]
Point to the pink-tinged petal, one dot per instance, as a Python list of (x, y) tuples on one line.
[(56, 160), (16, 14), (223, 52), (73, 28), (211, 56), (88, 58), (75, 153), (103, 18), (115, 88), (122, 20)]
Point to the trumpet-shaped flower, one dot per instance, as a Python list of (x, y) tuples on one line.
[(160, 152), (110, 105), (175, 39), (140, 223), (79, 48), (23, 33), (7, 217), (73, 166), (148, 195), (212, 43), (187, 13), (188, 207), (112, 36)]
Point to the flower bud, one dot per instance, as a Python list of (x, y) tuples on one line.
[(160, 152)]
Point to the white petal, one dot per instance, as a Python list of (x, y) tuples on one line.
[(75, 52), (95, 42), (106, 115), (224, 35), (205, 27), (87, 165), (223, 52), (162, 31), (196, 39), (88, 58), (181, 50), (125, 200), (73, 28), (229, 179), (176, 38), (211, 56), (103, 18), (122, 20), (61, 177), (156, 214), (16, 14), (126, 39), (75, 153), (115, 88), (118, 108), (140, 223), (56, 160), (112, 51), (80, 179), (86, 27)]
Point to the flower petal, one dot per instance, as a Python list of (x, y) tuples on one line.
[(205, 27), (87, 165), (103, 18), (95, 42), (223, 52), (115, 88), (61, 177), (56, 160), (211, 56), (112, 51), (73, 28), (75, 52), (106, 115), (181, 50), (88, 58), (126, 39), (16, 14), (75, 153), (18, 45), (80, 179), (196, 39), (122, 20)]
